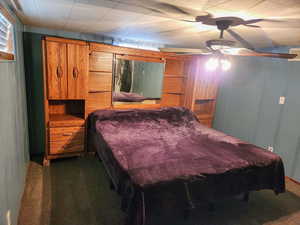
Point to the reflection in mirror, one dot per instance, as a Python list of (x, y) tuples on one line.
[(137, 82)]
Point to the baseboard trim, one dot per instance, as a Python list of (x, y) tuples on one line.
[(293, 180)]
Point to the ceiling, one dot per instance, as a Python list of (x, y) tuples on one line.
[(141, 19)]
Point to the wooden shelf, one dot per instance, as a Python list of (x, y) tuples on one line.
[(65, 120)]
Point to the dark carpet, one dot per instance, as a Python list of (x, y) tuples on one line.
[(76, 192)]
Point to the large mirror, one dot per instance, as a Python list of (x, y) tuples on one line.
[(137, 81)]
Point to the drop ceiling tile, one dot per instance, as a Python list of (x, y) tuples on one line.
[(130, 19), (268, 9), (238, 5), (29, 7), (193, 4), (84, 13), (98, 3), (291, 3), (59, 9)]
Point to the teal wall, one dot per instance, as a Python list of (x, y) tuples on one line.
[(34, 89), (14, 148), (247, 106)]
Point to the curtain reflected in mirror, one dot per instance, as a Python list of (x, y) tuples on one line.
[(137, 82)]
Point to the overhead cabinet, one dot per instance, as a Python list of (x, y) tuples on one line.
[(67, 69)]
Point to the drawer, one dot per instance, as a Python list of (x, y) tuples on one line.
[(66, 139), (101, 61), (100, 100), (100, 81), (66, 133), (65, 147)]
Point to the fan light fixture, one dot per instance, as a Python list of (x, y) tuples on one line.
[(213, 63), (220, 44)]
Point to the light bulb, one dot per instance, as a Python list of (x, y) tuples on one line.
[(212, 64), (225, 64)]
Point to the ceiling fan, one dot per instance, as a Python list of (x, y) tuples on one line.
[(227, 47), (217, 46)]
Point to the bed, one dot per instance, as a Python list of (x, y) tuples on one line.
[(145, 149)]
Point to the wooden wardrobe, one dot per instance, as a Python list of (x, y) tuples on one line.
[(65, 92)]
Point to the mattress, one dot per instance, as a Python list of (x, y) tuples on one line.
[(149, 148)]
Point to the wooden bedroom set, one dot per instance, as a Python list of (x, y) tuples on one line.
[(146, 147), (78, 77)]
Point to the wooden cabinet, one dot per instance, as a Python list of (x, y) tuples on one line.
[(67, 69), (57, 80), (77, 71), (201, 90), (65, 88), (206, 86)]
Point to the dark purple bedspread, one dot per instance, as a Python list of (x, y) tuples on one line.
[(159, 146)]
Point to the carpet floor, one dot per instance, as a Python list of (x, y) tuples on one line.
[(76, 192)]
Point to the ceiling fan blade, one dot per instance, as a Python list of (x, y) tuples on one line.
[(172, 11), (248, 52), (274, 55), (185, 50), (253, 21), (250, 25), (236, 36), (170, 8), (283, 23), (248, 22), (190, 21)]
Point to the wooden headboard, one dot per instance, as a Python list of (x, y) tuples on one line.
[(101, 60), (78, 77)]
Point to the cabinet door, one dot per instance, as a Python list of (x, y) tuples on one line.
[(77, 71), (206, 86), (56, 59)]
